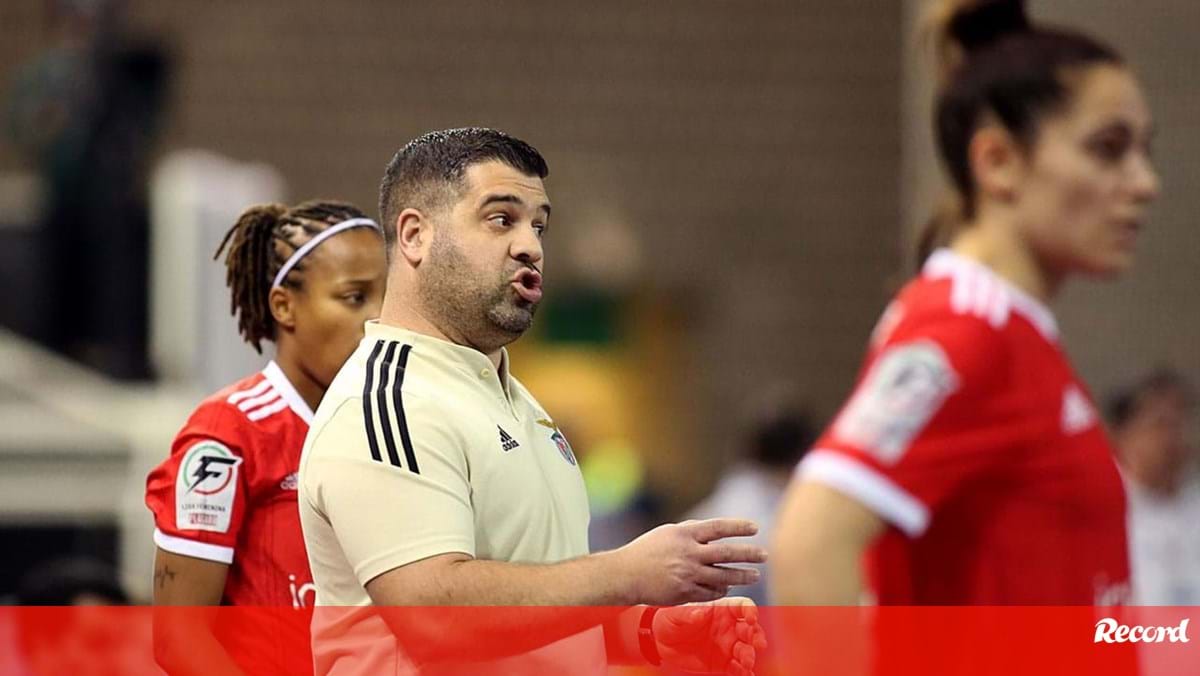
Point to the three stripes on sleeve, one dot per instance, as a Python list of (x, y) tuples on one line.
[(386, 376)]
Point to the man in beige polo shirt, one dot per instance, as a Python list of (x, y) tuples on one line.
[(431, 477)]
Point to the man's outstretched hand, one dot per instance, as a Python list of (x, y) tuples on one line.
[(719, 637)]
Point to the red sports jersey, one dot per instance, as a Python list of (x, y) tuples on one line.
[(227, 493), (969, 433)]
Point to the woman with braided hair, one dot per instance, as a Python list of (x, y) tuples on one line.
[(969, 465), (227, 528)]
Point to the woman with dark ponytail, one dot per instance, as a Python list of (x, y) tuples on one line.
[(227, 525), (969, 464)]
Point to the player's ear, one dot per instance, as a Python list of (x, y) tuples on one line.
[(283, 307), (997, 162), (414, 236)]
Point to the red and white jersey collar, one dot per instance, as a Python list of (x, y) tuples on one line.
[(978, 288), (279, 381)]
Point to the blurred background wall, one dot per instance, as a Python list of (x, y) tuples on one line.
[(734, 183), (751, 155)]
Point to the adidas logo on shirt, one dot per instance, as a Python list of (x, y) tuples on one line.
[(1077, 413), (506, 441)]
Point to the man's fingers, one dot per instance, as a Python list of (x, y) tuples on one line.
[(746, 656), (738, 603), (719, 576), (743, 608), (751, 635), (740, 661), (730, 552), (702, 593), (714, 529), (760, 639), (740, 607), (745, 632)]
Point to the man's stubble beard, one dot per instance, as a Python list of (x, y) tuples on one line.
[(481, 312)]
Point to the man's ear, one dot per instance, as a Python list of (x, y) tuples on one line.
[(283, 307), (414, 235), (997, 162)]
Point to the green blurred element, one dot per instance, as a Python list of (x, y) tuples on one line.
[(612, 472), (581, 315)]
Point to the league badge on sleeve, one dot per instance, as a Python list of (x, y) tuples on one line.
[(205, 487), (903, 390)]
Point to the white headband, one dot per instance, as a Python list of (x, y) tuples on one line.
[(321, 237)]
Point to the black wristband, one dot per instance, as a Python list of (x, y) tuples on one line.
[(646, 640)]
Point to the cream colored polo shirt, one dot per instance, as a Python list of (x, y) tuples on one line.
[(421, 448)]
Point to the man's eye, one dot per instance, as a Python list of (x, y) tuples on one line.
[(501, 219)]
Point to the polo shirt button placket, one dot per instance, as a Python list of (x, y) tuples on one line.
[(484, 374)]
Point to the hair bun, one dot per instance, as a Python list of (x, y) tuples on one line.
[(981, 23)]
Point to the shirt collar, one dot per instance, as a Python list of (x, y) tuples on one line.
[(948, 263), (287, 391), (462, 357)]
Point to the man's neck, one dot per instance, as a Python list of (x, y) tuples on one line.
[(407, 314)]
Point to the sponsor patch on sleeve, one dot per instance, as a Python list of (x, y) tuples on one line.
[(206, 487), (900, 394)]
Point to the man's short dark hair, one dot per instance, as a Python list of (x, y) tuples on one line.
[(427, 171), (1127, 403)]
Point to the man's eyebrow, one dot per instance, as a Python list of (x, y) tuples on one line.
[(501, 198), (508, 198)]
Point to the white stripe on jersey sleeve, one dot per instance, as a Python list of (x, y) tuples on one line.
[(252, 392), (875, 491), (199, 550), (267, 397), (271, 409)]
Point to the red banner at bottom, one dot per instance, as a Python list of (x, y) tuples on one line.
[(83, 641)]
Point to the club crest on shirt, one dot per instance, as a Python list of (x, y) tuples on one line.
[(206, 486), (564, 446)]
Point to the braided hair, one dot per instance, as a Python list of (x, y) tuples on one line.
[(258, 245)]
